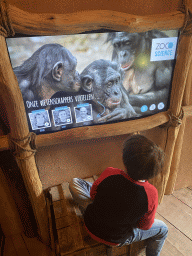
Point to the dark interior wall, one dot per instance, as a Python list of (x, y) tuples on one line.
[(4, 123), (11, 177)]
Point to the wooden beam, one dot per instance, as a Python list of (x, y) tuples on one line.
[(55, 24), (97, 131), (106, 130)]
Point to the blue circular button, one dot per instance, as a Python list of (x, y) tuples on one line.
[(144, 108), (152, 107), (161, 105)]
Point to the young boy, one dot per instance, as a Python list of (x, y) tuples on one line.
[(119, 207)]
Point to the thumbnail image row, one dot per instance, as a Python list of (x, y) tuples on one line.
[(61, 116)]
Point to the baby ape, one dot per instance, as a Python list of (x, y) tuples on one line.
[(146, 82), (50, 69), (103, 79)]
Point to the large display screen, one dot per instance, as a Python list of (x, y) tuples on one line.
[(95, 78)]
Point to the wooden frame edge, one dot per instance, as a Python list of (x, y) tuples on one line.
[(69, 136), (52, 24)]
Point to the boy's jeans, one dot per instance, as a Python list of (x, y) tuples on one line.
[(156, 235)]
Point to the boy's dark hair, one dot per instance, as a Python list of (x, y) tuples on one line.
[(142, 158)]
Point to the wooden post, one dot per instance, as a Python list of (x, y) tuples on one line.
[(178, 146), (181, 71), (13, 100)]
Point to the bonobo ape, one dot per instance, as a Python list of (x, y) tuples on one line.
[(50, 69), (103, 78), (146, 82)]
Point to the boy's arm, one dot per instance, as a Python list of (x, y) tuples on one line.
[(147, 220), (107, 172)]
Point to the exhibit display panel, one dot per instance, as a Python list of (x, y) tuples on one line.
[(77, 80), (15, 88)]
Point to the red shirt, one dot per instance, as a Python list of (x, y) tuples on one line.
[(119, 205)]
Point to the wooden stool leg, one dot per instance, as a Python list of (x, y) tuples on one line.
[(117, 251), (109, 251)]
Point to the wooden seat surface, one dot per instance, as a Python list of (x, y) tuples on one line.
[(67, 231)]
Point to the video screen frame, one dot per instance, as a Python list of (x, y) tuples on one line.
[(49, 106)]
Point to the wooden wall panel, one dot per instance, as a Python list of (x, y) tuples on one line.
[(63, 162), (59, 163), (184, 176)]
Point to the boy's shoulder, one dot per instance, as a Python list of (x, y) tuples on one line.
[(151, 191), (113, 171), (150, 186), (110, 171)]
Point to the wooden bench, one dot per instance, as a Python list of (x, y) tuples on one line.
[(67, 232)]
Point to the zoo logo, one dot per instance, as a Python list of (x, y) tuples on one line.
[(161, 46)]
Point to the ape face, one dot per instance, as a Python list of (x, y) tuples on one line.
[(112, 93), (103, 78), (146, 82), (50, 69), (125, 47)]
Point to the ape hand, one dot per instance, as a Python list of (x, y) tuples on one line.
[(119, 113), (129, 110), (116, 114)]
